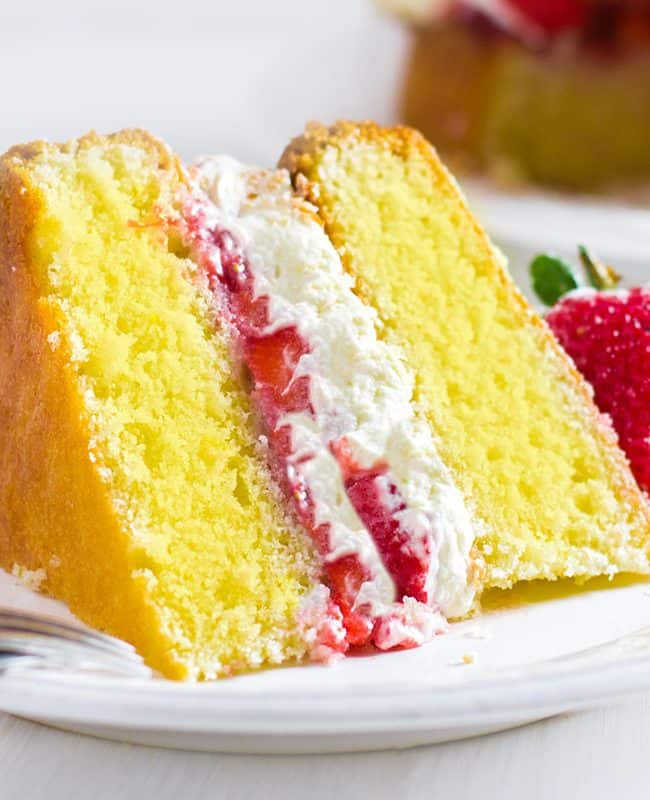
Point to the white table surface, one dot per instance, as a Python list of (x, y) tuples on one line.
[(243, 77), (586, 756)]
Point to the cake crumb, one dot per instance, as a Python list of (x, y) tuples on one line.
[(32, 578), (464, 660)]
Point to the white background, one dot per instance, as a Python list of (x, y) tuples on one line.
[(244, 77), (207, 75)]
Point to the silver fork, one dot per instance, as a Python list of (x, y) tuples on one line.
[(30, 641)]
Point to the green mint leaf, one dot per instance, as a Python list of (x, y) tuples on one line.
[(551, 278), (599, 275)]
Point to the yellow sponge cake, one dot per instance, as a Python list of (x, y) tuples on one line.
[(551, 493), (253, 417), (129, 467)]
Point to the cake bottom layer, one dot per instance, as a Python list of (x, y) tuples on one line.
[(131, 476)]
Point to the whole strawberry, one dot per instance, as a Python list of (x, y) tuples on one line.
[(607, 334)]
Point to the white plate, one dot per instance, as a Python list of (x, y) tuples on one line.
[(529, 662), (529, 222)]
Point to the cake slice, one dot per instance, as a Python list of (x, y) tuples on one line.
[(550, 493), (248, 423), (209, 450), (131, 474)]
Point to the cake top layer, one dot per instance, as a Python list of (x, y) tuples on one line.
[(516, 423)]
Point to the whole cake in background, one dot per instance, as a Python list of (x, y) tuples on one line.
[(252, 417), (554, 92)]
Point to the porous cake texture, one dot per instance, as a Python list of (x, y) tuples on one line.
[(129, 467), (253, 417), (551, 492)]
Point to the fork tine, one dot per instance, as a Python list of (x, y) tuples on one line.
[(37, 644), (62, 635), (26, 637), (31, 651), (9, 659), (9, 615), (17, 660), (20, 620)]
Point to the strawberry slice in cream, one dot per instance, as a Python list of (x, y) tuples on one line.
[(346, 442)]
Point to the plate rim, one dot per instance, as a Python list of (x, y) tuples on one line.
[(597, 216), (534, 693)]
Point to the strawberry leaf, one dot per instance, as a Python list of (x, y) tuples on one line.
[(551, 278), (600, 276)]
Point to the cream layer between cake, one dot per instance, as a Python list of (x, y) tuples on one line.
[(360, 391)]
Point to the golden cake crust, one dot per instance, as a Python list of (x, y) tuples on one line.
[(48, 484), (302, 158)]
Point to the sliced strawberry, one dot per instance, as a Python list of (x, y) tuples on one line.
[(346, 575), (380, 506), (273, 359)]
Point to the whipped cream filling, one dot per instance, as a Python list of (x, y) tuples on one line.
[(361, 391)]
